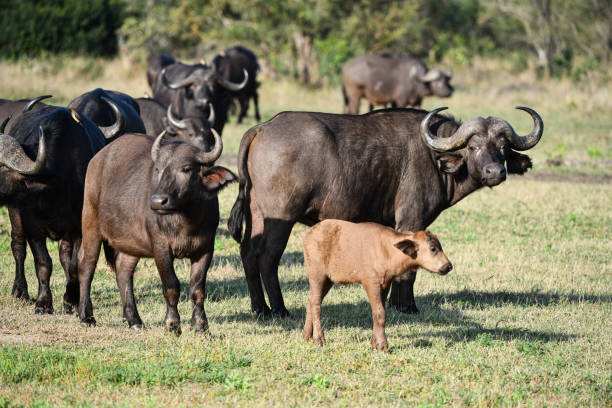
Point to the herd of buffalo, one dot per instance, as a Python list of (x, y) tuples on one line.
[(137, 177)]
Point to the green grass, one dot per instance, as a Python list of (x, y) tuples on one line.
[(524, 319)]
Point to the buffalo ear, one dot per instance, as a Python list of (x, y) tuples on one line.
[(408, 247), (217, 177), (517, 163), (450, 163)]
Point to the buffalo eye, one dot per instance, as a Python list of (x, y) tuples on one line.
[(472, 148), (433, 249), (186, 169)]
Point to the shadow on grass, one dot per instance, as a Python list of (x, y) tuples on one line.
[(289, 259)]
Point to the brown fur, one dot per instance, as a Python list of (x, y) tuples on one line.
[(342, 252)]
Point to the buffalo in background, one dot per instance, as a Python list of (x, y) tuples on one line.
[(394, 79), (192, 89), (231, 64), (400, 168)]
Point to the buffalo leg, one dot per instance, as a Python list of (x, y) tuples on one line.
[(274, 240), (371, 106), (18, 247), (256, 104), (44, 267), (171, 288), (87, 259), (243, 100), (125, 265), (250, 247), (376, 298), (68, 254), (402, 294), (197, 290)]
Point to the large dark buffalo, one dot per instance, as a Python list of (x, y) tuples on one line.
[(42, 172), (194, 130), (144, 198), (231, 64), (104, 107), (397, 80), (190, 89), (400, 168)]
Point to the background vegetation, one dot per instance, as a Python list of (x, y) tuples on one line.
[(310, 39)]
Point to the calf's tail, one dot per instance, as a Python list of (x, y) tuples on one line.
[(234, 223)]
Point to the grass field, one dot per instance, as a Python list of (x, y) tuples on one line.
[(524, 319)]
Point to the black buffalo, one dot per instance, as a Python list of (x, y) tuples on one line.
[(158, 119), (400, 168), (391, 79), (191, 89), (114, 112), (231, 64), (42, 172), (144, 198)]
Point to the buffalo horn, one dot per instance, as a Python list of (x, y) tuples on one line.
[(522, 142), (13, 156), (157, 145), (431, 75), (179, 124), (176, 85), (34, 101), (211, 115), (454, 142), (4, 122), (119, 125), (211, 156), (231, 86)]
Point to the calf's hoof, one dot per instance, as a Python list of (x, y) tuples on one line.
[(320, 341), (381, 345), (307, 335), (88, 322), (261, 310)]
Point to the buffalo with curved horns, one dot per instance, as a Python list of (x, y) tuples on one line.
[(400, 168), (194, 129), (190, 89), (165, 207), (391, 79), (43, 159)]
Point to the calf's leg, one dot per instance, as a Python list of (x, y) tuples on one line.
[(376, 298), (316, 295)]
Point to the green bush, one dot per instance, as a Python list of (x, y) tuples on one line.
[(37, 27)]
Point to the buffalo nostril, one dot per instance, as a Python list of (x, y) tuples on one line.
[(159, 201), (446, 268)]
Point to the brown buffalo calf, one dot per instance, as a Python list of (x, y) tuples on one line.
[(344, 252)]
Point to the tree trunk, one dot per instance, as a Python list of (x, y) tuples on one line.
[(305, 55)]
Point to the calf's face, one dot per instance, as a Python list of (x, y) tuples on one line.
[(424, 247)]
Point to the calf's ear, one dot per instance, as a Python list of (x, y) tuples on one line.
[(408, 247), (517, 163), (450, 163), (217, 177)]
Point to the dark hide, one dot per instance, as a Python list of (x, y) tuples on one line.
[(48, 204), (230, 64), (307, 167)]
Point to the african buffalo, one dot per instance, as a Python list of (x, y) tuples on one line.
[(42, 172), (104, 107), (400, 168), (145, 198), (231, 64), (388, 78), (194, 130), (191, 88)]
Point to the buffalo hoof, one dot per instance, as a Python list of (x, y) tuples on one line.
[(199, 325), (136, 327), (262, 310), (20, 293), (43, 309), (403, 308), (282, 313), (174, 328), (88, 322), (67, 308), (319, 341)]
